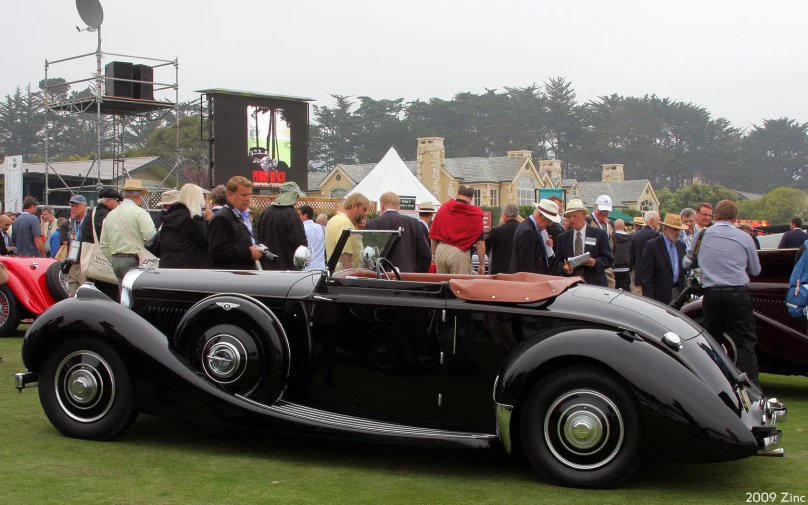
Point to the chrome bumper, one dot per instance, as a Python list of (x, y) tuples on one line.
[(25, 380), (772, 412)]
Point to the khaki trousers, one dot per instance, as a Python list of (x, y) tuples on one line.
[(74, 279), (451, 260)]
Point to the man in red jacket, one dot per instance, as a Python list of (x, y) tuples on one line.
[(457, 227)]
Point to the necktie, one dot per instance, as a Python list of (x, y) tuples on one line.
[(674, 260), (579, 245)]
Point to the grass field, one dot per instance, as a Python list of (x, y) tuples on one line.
[(167, 462)]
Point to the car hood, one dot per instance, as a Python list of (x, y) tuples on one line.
[(173, 283)]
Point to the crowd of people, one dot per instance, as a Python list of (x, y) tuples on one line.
[(562, 239)]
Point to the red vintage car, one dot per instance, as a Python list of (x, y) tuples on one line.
[(782, 341), (34, 284)]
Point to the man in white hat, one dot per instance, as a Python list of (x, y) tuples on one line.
[(126, 229), (600, 218), (529, 253), (661, 275), (580, 239)]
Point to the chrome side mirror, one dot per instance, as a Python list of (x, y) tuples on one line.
[(303, 257)]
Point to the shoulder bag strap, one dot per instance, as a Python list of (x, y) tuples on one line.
[(123, 229)]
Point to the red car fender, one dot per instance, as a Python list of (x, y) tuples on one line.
[(29, 284)]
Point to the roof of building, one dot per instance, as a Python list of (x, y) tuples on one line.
[(499, 169), (568, 183), (254, 94), (622, 191), (315, 178), (82, 168), (746, 195)]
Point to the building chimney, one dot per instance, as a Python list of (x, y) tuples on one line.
[(613, 172), (552, 167), (431, 157), (523, 153)]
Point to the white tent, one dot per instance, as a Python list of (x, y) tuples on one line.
[(391, 174)]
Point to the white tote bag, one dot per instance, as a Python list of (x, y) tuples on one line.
[(94, 264)]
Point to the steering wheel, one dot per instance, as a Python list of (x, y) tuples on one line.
[(380, 269)]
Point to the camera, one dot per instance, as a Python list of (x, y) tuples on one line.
[(266, 252)]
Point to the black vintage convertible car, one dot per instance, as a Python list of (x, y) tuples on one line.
[(586, 381)]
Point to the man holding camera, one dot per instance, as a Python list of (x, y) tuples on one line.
[(281, 230), (230, 236)]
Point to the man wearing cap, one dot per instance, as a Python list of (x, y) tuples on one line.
[(727, 257), (70, 231), (600, 218), (580, 239), (128, 228), (26, 234), (457, 227), (638, 243), (108, 200), (281, 230), (529, 253), (661, 275)]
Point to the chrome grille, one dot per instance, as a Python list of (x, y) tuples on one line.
[(165, 319)]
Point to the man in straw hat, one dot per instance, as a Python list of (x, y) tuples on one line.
[(281, 230), (126, 229), (580, 239), (167, 199), (745, 227), (529, 252), (661, 275)]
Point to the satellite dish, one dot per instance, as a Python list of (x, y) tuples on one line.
[(91, 12)]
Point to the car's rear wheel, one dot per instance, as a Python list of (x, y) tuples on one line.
[(9, 318), (57, 282), (86, 390), (581, 428)]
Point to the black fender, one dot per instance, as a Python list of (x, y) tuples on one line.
[(219, 318), (687, 416)]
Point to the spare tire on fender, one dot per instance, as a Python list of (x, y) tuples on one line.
[(57, 282), (238, 343)]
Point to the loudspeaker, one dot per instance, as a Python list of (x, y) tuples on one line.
[(143, 91), (118, 70)]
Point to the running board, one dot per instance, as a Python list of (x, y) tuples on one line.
[(352, 425)]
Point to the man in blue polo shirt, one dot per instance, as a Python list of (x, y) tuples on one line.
[(26, 232)]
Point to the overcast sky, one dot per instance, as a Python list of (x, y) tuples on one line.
[(730, 56)]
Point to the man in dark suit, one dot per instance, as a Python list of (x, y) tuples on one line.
[(661, 274), (499, 241), (794, 238), (5, 239), (412, 253), (230, 234), (529, 252), (580, 239), (642, 236)]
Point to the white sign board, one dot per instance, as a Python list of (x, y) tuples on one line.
[(13, 184)]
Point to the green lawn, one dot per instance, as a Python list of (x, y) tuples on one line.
[(167, 462)]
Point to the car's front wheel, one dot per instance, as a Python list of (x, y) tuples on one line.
[(581, 428), (86, 390)]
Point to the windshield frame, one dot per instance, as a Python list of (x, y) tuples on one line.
[(386, 252)]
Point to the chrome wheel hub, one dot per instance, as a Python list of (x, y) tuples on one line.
[(224, 359), (583, 429), (82, 387)]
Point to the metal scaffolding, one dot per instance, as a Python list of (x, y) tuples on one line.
[(121, 111)]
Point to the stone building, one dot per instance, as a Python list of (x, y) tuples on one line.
[(496, 180)]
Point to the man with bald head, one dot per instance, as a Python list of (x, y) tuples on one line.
[(622, 256), (5, 243), (642, 236)]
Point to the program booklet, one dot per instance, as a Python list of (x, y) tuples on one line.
[(577, 261)]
